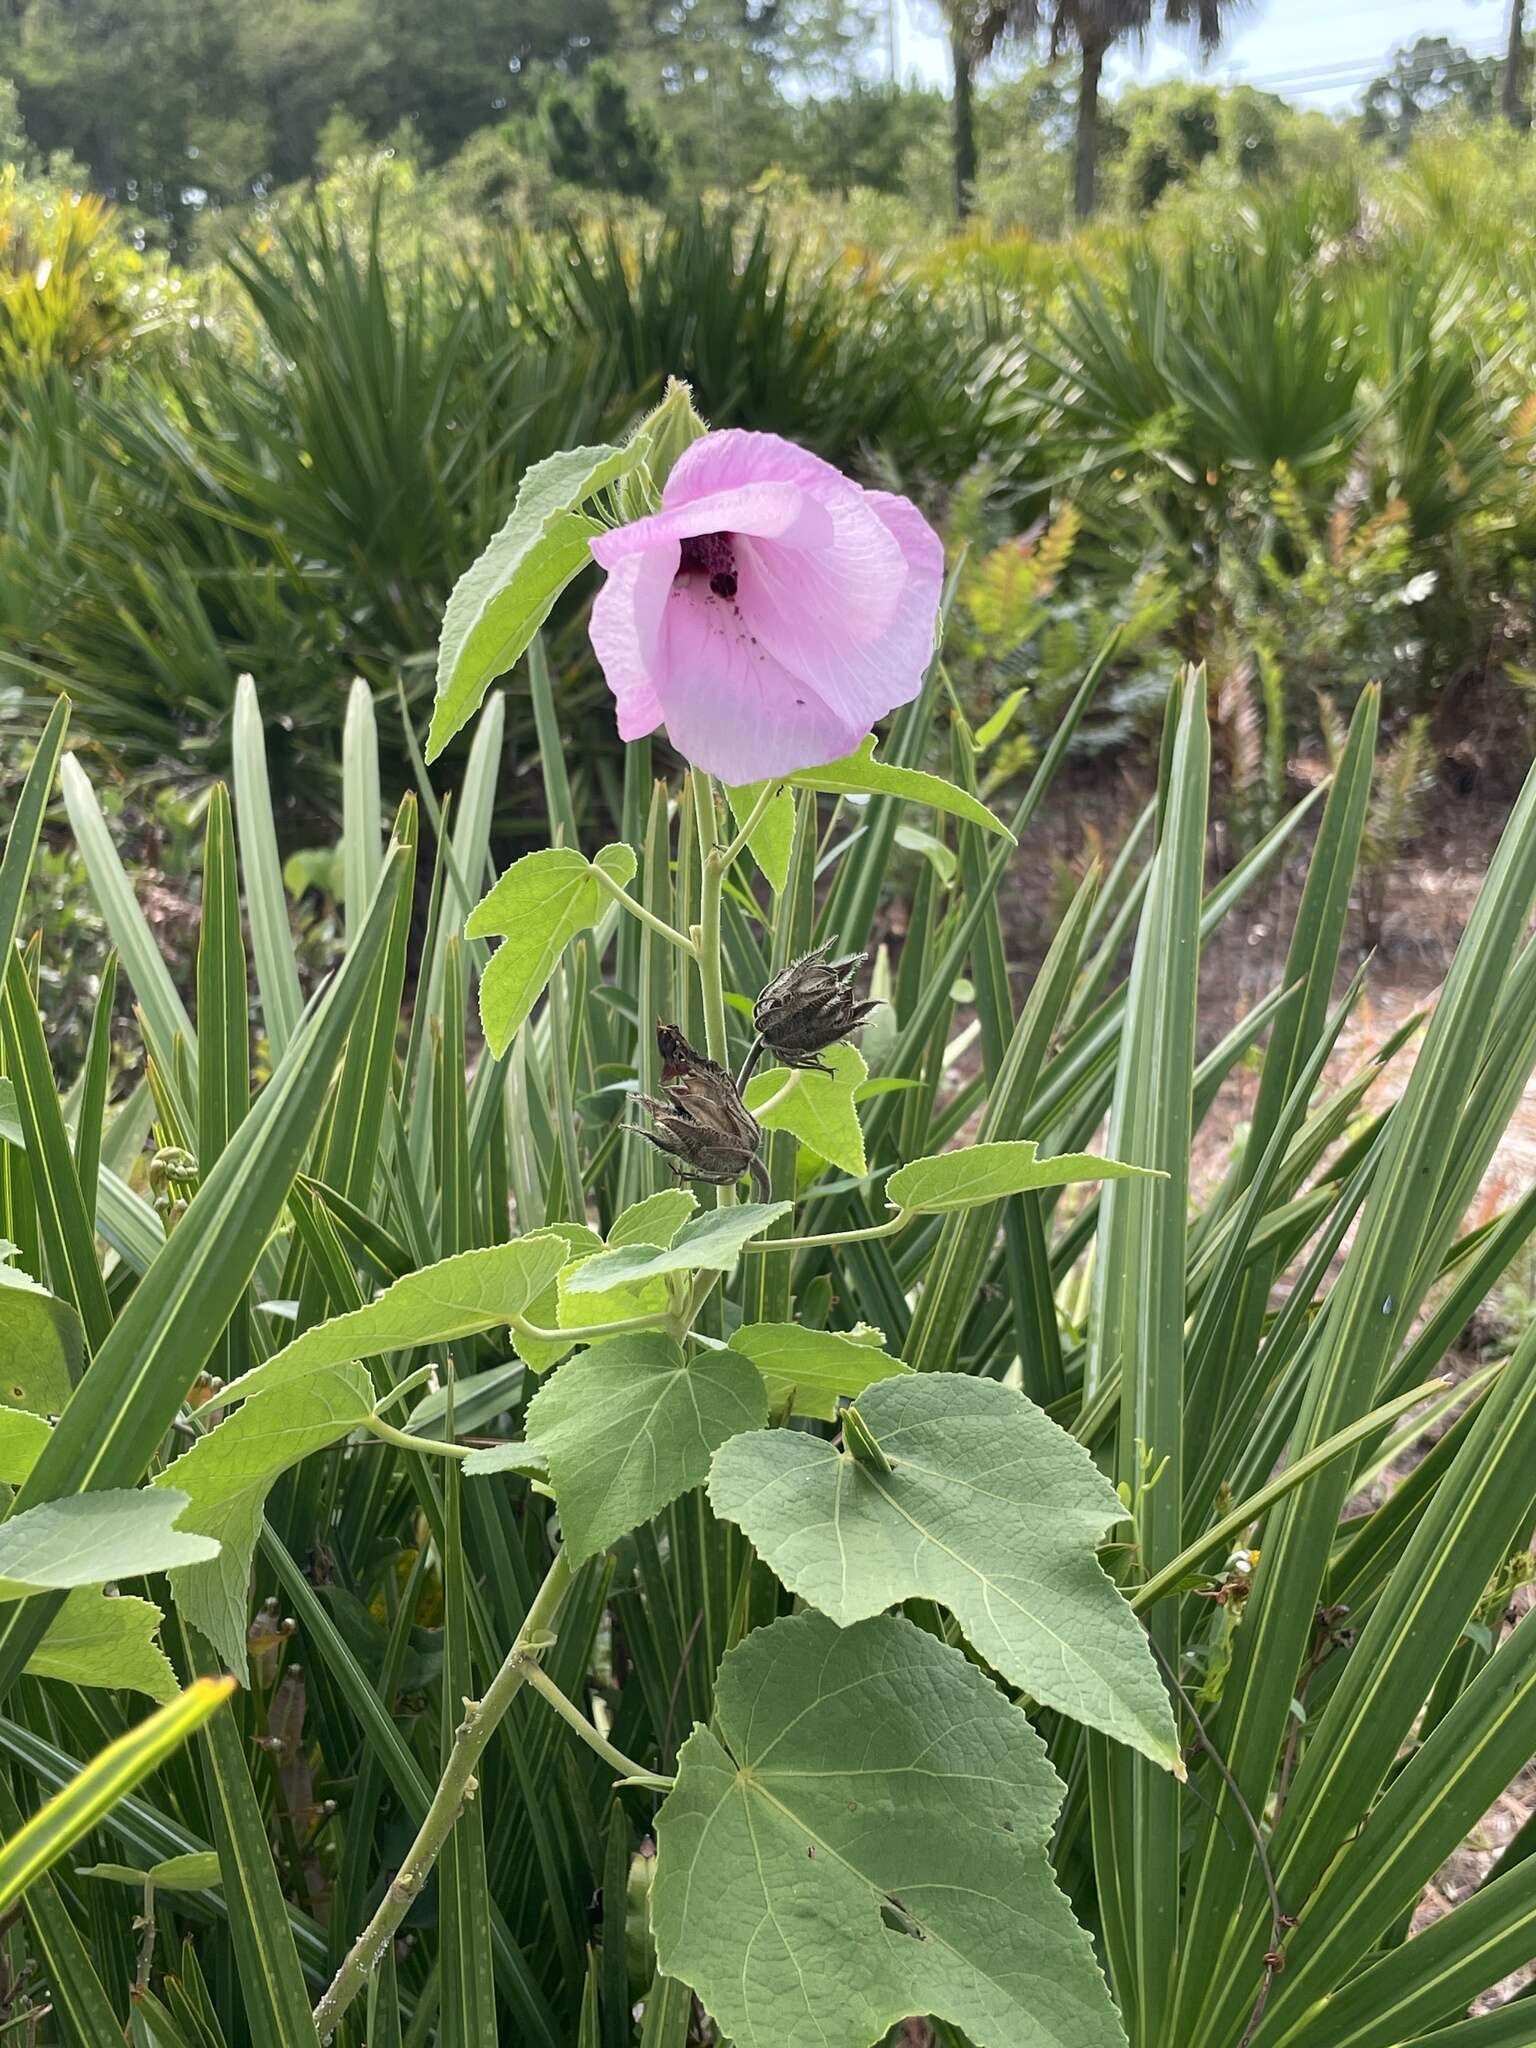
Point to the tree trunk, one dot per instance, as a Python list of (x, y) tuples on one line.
[(1086, 155), (1512, 97), (965, 122)]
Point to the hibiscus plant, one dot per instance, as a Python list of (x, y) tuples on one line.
[(749, 1498)]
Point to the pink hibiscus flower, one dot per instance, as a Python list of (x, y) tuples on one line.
[(769, 613)]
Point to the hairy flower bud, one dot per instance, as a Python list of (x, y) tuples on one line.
[(703, 1126), (810, 1006)]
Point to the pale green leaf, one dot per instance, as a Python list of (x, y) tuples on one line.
[(227, 1476), (818, 1109), (105, 1640), (811, 1368), (458, 1297), (712, 1244), (501, 601), (940, 857), (536, 909), (90, 1538), (198, 1871), (991, 1510), (22, 1437), (860, 774), (629, 1425), (612, 1304), (42, 1344), (986, 1173), (859, 1837), (989, 733), (656, 1219), (771, 840), (519, 1458)]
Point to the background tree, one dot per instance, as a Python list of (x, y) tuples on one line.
[(1433, 76), (594, 136), (1512, 89)]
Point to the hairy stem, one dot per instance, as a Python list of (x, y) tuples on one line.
[(647, 917), (457, 1784), (799, 1244)]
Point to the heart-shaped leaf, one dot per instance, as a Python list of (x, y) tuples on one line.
[(712, 1244), (988, 1508), (860, 1836), (629, 1425), (811, 1368), (88, 1539), (816, 1108)]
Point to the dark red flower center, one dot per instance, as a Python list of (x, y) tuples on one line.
[(712, 555)]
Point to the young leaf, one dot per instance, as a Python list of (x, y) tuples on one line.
[(629, 1425), (818, 1109), (536, 909), (540, 1353), (656, 1219), (22, 1438), (771, 840), (501, 601), (42, 1344), (860, 1836), (89, 1538), (712, 1244), (811, 1368), (860, 774), (457, 1297), (195, 1872), (227, 1476), (103, 1782), (985, 1173), (989, 1509), (95, 1639)]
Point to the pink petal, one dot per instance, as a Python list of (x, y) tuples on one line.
[(626, 632), (778, 511), (858, 618), (726, 460), (734, 710)]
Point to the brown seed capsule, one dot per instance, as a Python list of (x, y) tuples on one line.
[(703, 1125), (810, 1006)]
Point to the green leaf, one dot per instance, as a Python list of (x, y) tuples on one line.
[(818, 1109), (712, 1244), (860, 1836), (989, 1509), (772, 839), (42, 1344), (102, 1783), (501, 601), (23, 1437), (629, 1425), (277, 973), (811, 1368), (197, 1872), (539, 1353), (654, 1220), (106, 1640), (986, 1173), (226, 1477), (536, 909), (860, 774), (457, 1297), (88, 1539), (942, 858)]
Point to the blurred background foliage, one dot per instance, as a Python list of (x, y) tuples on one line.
[(284, 316)]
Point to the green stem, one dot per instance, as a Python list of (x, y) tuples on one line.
[(457, 1784), (707, 943), (636, 908), (631, 1772), (435, 1446), (408, 1385), (588, 1333), (1293, 1476), (799, 1244)]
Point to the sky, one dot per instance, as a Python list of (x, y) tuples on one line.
[(1317, 53)]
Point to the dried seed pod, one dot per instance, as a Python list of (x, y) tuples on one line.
[(703, 1125), (810, 1006)]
